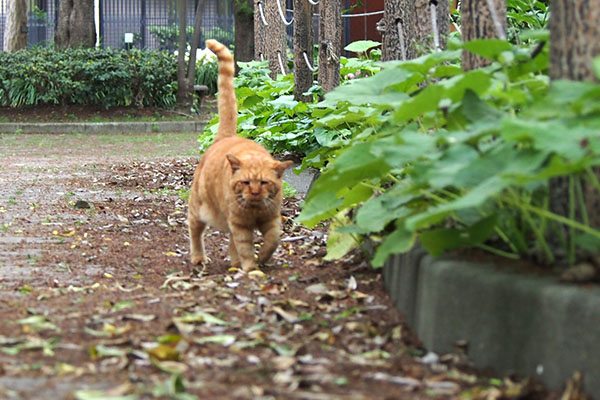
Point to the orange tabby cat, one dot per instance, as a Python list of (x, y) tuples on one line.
[(237, 184)]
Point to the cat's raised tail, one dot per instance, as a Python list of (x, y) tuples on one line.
[(227, 100)]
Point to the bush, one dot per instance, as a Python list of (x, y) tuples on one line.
[(449, 159), (92, 76)]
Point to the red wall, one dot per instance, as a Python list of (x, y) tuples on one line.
[(364, 28)]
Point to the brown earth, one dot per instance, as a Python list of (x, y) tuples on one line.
[(98, 299)]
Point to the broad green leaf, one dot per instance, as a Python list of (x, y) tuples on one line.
[(284, 102), (399, 241), (376, 213), (318, 206), (473, 198), (339, 244), (488, 48), (437, 241), (597, 67), (361, 46), (427, 100), (374, 90)]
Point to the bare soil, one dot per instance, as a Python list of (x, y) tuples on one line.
[(98, 299)]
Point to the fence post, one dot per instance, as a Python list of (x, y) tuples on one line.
[(143, 24), (330, 44), (269, 36), (481, 19), (303, 49)]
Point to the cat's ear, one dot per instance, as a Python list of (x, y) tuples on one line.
[(281, 166), (234, 162)]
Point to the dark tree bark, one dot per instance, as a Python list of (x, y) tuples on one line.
[(478, 23), (303, 49), (270, 38), (574, 39), (431, 15), (244, 31), (15, 31), (186, 73), (398, 30), (330, 44), (76, 26), (574, 43)]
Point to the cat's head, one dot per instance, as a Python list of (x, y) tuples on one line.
[(256, 180)]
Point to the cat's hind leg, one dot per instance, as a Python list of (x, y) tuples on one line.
[(196, 230)]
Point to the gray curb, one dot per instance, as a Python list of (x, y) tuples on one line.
[(513, 323), (102, 127)]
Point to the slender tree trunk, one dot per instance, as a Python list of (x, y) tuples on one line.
[(186, 72), (479, 21), (574, 39), (269, 39), (182, 83), (244, 31), (15, 32), (76, 26), (303, 49), (398, 30), (574, 43), (330, 44)]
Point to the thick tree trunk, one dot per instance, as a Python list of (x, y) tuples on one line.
[(574, 39), (574, 43), (432, 23), (479, 21), (270, 38), (330, 44), (244, 31), (15, 32), (75, 26), (398, 30), (303, 49)]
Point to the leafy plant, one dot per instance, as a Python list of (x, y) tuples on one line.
[(433, 155)]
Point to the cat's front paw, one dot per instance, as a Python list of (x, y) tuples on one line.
[(199, 259)]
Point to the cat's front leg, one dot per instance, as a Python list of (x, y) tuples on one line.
[(243, 244), (271, 233), (196, 231)]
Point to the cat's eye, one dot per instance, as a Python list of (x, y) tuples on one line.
[(264, 182), (247, 183)]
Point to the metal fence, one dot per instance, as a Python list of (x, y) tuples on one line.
[(151, 24)]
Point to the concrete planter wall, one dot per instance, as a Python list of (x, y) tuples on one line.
[(514, 323)]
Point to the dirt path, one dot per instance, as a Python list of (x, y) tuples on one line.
[(97, 298)]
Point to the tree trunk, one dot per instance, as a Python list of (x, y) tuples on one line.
[(330, 44), (244, 31), (479, 21), (574, 43), (15, 33), (303, 49), (432, 23), (398, 30), (183, 89), (574, 39), (269, 39), (186, 72), (75, 26)]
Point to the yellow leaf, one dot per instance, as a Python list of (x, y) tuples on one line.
[(170, 254), (126, 244), (164, 352), (107, 275)]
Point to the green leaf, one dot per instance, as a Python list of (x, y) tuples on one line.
[(597, 67), (437, 241), (488, 48), (361, 46), (100, 395), (339, 244), (399, 241)]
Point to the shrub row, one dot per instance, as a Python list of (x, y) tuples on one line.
[(88, 76)]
